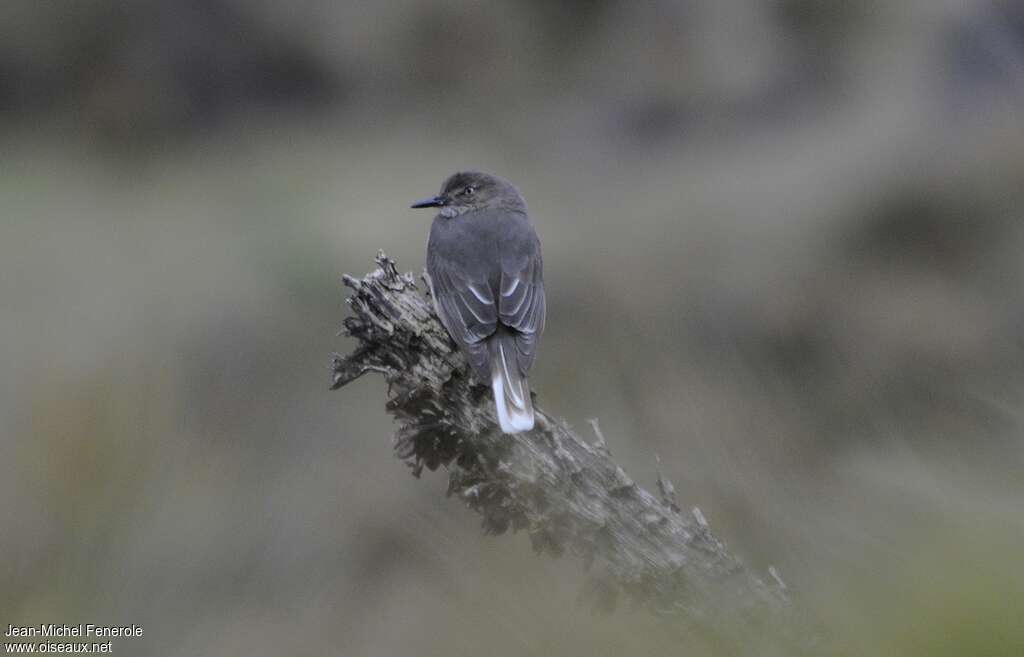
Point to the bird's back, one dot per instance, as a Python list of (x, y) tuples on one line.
[(482, 244)]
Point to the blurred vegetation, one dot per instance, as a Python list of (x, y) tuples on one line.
[(783, 251)]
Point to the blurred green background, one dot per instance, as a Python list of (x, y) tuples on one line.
[(783, 253)]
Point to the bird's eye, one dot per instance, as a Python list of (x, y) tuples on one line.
[(469, 191)]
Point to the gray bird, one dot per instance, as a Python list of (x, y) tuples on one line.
[(486, 279)]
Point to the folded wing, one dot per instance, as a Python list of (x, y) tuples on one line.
[(522, 306), (467, 309)]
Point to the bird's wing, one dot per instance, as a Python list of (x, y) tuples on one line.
[(467, 308), (521, 303)]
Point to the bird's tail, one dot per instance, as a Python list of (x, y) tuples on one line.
[(510, 387)]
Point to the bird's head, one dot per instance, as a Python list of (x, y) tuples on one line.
[(472, 190)]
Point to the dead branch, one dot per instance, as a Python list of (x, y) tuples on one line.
[(568, 495)]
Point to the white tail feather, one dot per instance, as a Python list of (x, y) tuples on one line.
[(511, 395)]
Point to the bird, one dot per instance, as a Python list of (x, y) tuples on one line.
[(486, 279)]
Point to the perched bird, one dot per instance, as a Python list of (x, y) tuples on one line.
[(486, 279)]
